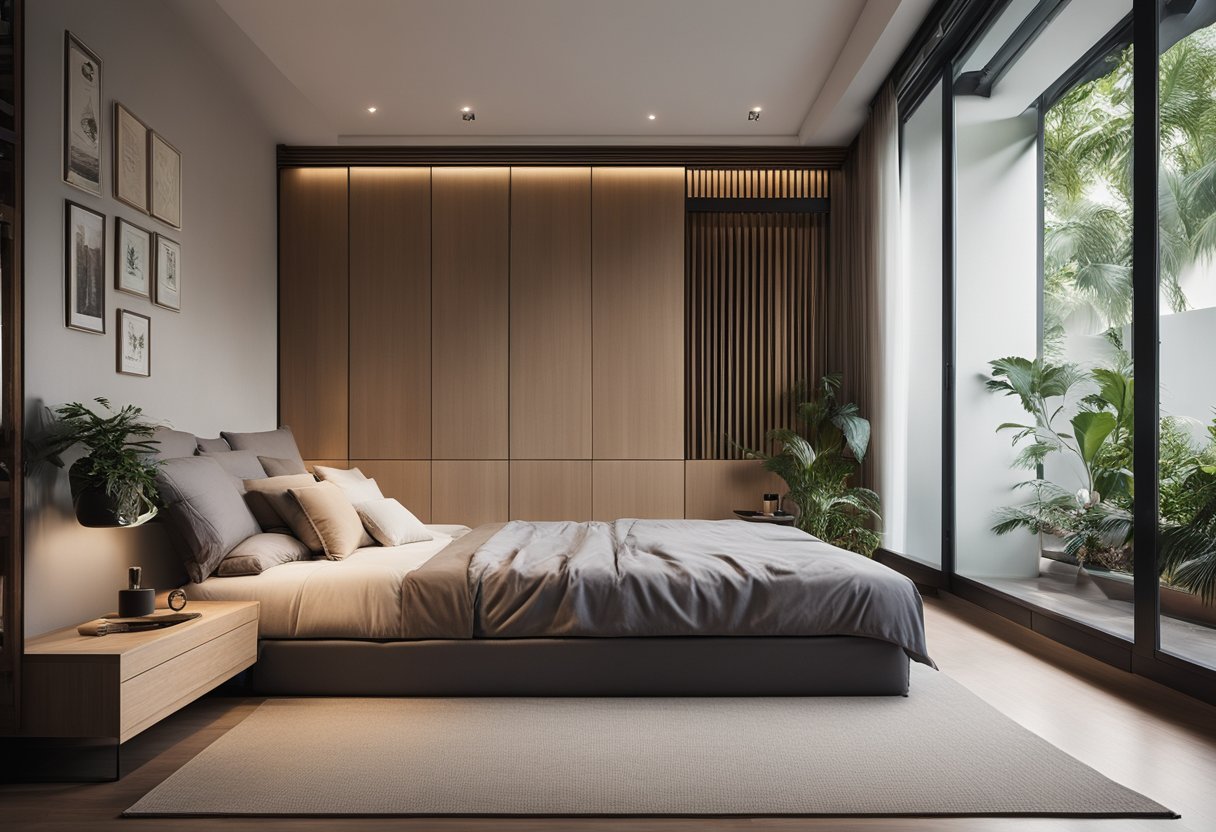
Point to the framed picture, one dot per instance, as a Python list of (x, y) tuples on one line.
[(164, 181), (168, 274), (130, 159), (81, 116), (85, 268), (132, 258), (134, 343)]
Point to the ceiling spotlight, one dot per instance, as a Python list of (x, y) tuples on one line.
[(651, 116), (753, 114), (371, 109), (467, 114)]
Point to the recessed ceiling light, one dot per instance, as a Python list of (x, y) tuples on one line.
[(371, 109), (753, 114), (651, 116), (467, 114)]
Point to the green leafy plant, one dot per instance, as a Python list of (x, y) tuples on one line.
[(1188, 549), (816, 465), (118, 456)]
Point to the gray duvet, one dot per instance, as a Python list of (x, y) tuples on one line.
[(657, 578)]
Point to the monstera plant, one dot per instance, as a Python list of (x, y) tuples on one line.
[(817, 462)]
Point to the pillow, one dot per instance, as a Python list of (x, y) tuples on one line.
[(172, 444), (364, 491), (279, 444), (281, 467), (338, 476), (274, 509), (332, 517), (206, 511), (212, 445), (242, 465), (391, 523), (260, 552)]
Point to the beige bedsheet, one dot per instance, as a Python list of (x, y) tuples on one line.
[(359, 597)]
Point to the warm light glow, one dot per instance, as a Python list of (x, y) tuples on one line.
[(371, 109), (651, 116), (466, 109), (755, 109)]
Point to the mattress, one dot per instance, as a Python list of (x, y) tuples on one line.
[(359, 597)]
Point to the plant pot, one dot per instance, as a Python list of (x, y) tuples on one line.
[(95, 509)]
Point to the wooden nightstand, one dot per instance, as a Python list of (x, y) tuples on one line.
[(112, 687)]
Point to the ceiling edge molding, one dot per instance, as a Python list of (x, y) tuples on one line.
[(732, 156), (554, 141)]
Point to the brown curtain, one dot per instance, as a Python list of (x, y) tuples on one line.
[(864, 255)]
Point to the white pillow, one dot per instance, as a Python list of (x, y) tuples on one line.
[(338, 476), (360, 491), (391, 523)]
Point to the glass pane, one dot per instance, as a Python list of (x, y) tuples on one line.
[(1187, 468), (912, 462), (1043, 440)]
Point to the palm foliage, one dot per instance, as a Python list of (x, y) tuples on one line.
[(816, 465), (1087, 189)]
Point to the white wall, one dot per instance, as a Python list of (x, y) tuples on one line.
[(214, 364), (996, 311), (912, 468), (1188, 372)]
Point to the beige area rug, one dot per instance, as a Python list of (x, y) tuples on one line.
[(940, 751)]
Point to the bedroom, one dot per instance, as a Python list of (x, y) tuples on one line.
[(726, 406)]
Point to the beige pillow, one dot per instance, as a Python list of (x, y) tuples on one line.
[(391, 523), (333, 519), (275, 509), (338, 476)]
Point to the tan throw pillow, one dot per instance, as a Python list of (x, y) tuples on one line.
[(338, 476), (391, 523), (275, 509), (332, 517)]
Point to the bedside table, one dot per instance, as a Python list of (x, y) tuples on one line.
[(112, 687)]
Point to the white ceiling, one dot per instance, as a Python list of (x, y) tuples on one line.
[(565, 71)]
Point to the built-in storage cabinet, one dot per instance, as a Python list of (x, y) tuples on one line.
[(470, 245), (314, 297), (495, 342), (390, 313), (638, 313), (551, 335)]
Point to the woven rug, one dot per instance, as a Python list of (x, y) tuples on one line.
[(940, 751)]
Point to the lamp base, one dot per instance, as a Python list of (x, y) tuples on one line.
[(136, 602)]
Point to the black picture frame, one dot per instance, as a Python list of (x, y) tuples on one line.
[(84, 304), (82, 120)]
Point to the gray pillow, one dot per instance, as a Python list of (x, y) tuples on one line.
[(260, 552), (279, 444), (207, 513), (173, 444), (281, 467), (212, 445), (243, 465)]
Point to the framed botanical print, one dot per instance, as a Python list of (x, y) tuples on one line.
[(130, 158), (81, 116), (132, 258), (84, 261), (134, 343), (164, 181), (168, 274)]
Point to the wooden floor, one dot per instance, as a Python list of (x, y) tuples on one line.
[(1141, 734)]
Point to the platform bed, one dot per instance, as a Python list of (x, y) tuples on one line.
[(654, 666)]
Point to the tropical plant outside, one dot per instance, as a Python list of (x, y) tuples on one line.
[(817, 464)]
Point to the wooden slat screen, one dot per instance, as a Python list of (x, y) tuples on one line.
[(752, 280)]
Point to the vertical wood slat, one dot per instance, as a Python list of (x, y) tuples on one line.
[(390, 311), (313, 309), (469, 312), (751, 287)]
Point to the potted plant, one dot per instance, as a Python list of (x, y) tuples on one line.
[(114, 483), (817, 466)]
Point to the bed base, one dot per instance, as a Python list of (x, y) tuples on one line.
[(820, 666)]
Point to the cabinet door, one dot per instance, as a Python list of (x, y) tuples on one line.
[(641, 489), (713, 489), (471, 492), (551, 490), (390, 313), (313, 321), (550, 313), (638, 309), (470, 259)]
